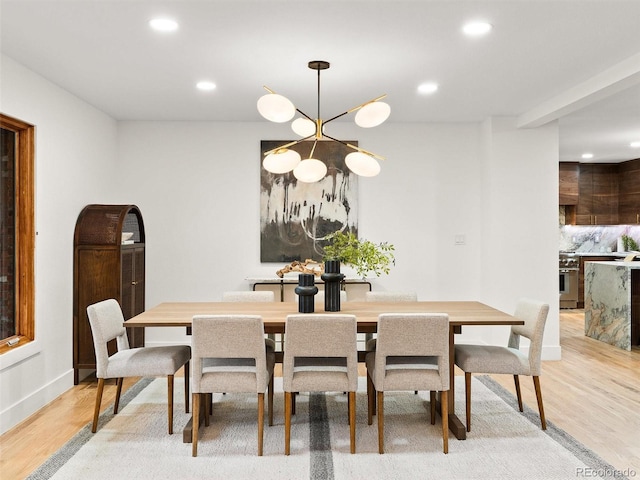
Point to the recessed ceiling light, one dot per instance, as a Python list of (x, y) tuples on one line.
[(476, 29), (206, 86), (164, 24), (586, 156), (635, 144), (427, 88)]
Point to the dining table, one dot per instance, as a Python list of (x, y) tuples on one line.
[(274, 315)]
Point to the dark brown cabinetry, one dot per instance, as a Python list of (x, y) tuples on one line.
[(629, 196), (105, 266), (598, 200), (569, 178)]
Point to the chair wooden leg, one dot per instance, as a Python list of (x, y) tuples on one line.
[(536, 384), (352, 420), (293, 402), (444, 400), (467, 394), (287, 422), (186, 387), (96, 411), (380, 396), (170, 402), (432, 402), (260, 422), (270, 400), (195, 424), (516, 380), (371, 400), (116, 404), (208, 408)]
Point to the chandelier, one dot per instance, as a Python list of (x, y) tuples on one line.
[(279, 109)]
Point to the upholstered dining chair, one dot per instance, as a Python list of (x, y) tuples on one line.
[(253, 296), (510, 360), (229, 355), (412, 354), (249, 296), (384, 296), (106, 322), (321, 356)]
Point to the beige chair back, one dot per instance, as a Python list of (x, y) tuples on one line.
[(106, 322), (391, 296), (319, 337), (236, 342), (534, 314), (249, 296), (412, 341)]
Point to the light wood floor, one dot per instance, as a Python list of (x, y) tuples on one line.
[(593, 394)]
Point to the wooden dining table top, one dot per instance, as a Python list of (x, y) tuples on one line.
[(274, 314)]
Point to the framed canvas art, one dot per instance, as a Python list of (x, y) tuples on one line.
[(296, 217)]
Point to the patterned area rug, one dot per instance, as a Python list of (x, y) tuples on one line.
[(503, 443)]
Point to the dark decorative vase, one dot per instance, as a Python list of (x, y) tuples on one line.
[(332, 280), (306, 291)]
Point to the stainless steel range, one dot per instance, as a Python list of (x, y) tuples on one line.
[(569, 265)]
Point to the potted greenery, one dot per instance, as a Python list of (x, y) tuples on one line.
[(363, 255)]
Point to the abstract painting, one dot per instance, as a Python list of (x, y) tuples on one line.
[(296, 217)]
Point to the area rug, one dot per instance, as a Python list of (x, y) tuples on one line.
[(503, 443)]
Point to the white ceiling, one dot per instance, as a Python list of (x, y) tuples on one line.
[(542, 61)]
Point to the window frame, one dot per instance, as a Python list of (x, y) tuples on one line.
[(24, 231)]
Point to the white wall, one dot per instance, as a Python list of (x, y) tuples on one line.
[(197, 185), (75, 153)]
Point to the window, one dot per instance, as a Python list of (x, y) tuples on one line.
[(17, 232)]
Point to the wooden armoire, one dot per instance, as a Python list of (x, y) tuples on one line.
[(106, 266)]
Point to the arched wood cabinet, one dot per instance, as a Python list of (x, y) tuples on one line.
[(105, 265)]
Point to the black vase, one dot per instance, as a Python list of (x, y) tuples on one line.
[(332, 280), (306, 291)]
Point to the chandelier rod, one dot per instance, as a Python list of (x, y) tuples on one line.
[(358, 149), (356, 108)]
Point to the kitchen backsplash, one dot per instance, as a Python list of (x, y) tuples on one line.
[(595, 238)]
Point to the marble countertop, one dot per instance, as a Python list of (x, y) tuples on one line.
[(632, 265)]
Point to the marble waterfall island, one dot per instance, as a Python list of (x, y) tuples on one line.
[(612, 302)]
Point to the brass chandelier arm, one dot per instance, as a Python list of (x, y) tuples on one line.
[(287, 145), (361, 150), (356, 108)]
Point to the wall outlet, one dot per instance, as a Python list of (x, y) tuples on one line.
[(459, 239)]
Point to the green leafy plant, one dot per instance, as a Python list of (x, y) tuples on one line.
[(629, 244), (363, 255)]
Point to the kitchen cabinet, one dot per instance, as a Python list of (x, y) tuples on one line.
[(598, 195), (106, 266), (629, 194), (569, 183)]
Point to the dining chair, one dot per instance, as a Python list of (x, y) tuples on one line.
[(321, 356), (106, 320), (412, 354), (249, 296), (253, 296), (384, 296), (229, 355), (510, 360)]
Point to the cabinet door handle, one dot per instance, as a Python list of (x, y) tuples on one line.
[(134, 283)]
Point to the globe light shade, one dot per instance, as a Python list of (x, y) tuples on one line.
[(362, 164), (276, 108), (303, 127), (372, 114), (281, 161), (310, 170)]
